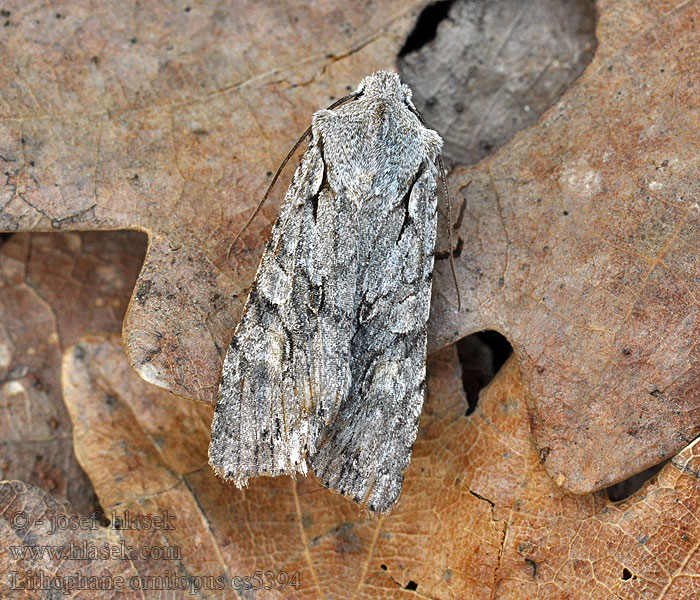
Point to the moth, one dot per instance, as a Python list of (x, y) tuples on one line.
[(326, 368)]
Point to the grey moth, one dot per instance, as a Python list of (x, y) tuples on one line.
[(326, 369)]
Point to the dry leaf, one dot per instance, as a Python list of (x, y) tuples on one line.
[(35, 529), (167, 120), (577, 240), (478, 518), (53, 290), (579, 244)]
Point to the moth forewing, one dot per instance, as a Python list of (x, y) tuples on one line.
[(327, 365)]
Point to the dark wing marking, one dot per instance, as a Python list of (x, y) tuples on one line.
[(367, 447), (281, 381)]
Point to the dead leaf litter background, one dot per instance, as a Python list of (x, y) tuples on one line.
[(576, 239), (478, 518)]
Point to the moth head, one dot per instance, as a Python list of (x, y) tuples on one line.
[(385, 84)]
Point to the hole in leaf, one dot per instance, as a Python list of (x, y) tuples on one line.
[(426, 26), (626, 574), (98, 513), (411, 585), (625, 488), (482, 71), (481, 356)]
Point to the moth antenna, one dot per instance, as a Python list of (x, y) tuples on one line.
[(269, 189), (446, 191), (344, 99), (298, 143)]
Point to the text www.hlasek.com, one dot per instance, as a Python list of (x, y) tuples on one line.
[(88, 551)]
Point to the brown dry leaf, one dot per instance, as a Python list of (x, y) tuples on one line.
[(478, 518), (577, 239), (31, 519), (579, 243), (53, 290), (166, 119)]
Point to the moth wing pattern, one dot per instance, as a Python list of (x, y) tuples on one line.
[(271, 389), (367, 447), (327, 365)]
